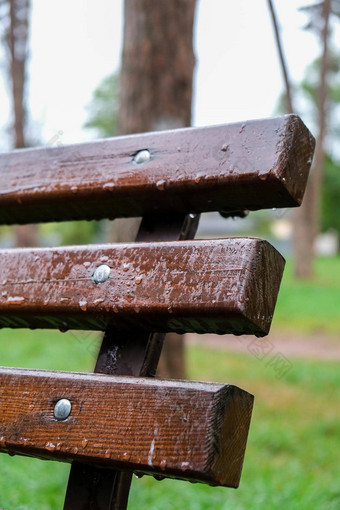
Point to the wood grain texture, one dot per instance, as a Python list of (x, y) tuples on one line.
[(220, 286), (254, 165), (187, 430)]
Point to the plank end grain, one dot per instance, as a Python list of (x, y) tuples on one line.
[(295, 151), (231, 433)]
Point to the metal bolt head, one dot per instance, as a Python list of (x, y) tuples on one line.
[(62, 409), (142, 157), (101, 274)]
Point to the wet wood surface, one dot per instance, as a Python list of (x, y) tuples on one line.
[(253, 165), (206, 286), (187, 430)]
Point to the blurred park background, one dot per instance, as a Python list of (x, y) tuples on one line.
[(76, 71)]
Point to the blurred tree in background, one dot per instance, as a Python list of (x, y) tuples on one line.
[(15, 22), (306, 96), (307, 220), (104, 106)]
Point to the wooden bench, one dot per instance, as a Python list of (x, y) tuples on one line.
[(109, 424)]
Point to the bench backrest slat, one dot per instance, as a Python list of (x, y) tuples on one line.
[(255, 165), (190, 430), (207, 286)]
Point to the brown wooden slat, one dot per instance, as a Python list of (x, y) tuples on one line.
[(188, 430), (253, 165), (219, 286)]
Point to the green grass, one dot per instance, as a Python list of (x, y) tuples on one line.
[(310, 306), (292, 458)]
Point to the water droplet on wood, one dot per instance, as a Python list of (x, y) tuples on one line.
[(83, 304), (160, 184)]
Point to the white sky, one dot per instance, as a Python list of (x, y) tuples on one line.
[(74, 44)]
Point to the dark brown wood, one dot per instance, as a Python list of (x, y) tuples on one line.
[(89, 486), (254, 165), (132, 353), (219, 286), (187, 430)]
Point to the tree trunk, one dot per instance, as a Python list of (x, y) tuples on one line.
[(283, 64), (17, 42), (157, 67), (156, 93), (307, 218)]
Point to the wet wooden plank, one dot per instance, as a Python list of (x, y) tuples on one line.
[(208, 286), (187, 430), (253, 165)]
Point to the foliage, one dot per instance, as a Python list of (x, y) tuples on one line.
[(307, 93), (72, 232), (103, 108), (311, 306), (330, 215), (306, 97)]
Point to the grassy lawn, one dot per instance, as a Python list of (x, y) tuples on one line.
[(292, 459), (310, 307)]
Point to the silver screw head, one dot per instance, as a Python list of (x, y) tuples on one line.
[(101, 274), (142, 157), (62, 409)]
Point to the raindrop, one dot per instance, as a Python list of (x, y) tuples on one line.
[(99, 300), (159, 478), (184, 466), (83, 304), (109, 185), (160, 184), (15, 300), (49, 446)]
